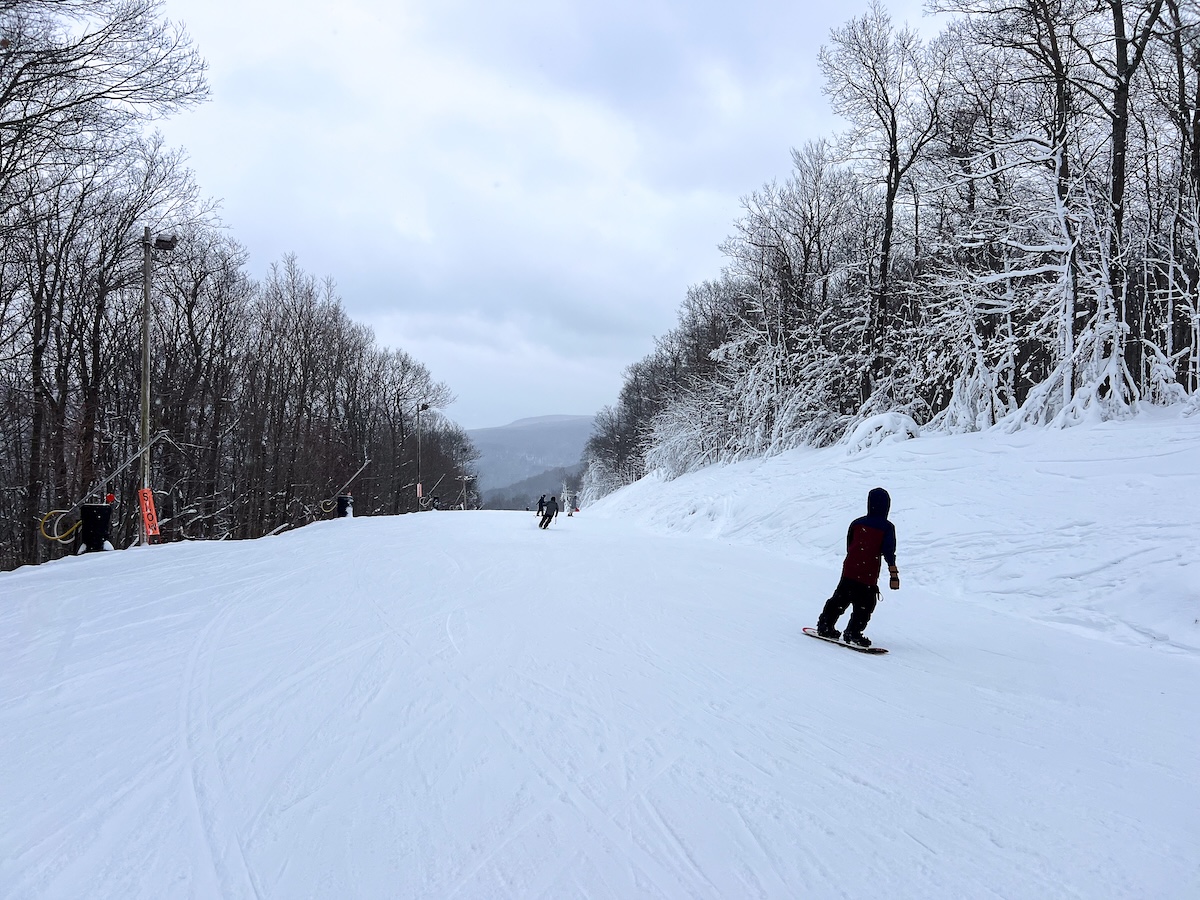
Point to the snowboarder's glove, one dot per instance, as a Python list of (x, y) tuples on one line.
[(894, 581)]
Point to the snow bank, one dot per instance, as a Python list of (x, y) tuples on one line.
[(1091, 528), (892, 426), (462, 705)]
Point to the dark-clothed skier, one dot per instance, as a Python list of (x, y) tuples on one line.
[(541, 504), (870, 537), (550, 512)]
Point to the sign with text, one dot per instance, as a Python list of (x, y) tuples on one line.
[(149, 516)]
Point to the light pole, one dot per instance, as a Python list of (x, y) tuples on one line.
[(161, 243), (420, 407), (464, 478)]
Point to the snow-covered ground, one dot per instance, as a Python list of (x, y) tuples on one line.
[(1093, 527), (460, 705)]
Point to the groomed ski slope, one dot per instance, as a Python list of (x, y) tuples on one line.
[(460, 705)]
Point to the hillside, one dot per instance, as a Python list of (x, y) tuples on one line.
[(523, 494), (624, 705), (528, 447), (1089, 528)]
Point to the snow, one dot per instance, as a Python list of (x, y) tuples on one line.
[(461, 705), (1091, 528), (890, 426)]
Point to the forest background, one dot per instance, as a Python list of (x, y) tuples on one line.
[(266, 398), (1006, 234)]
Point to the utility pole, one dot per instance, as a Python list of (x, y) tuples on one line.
[(145, 370), (464, 478), (420, 407), (167, 243)]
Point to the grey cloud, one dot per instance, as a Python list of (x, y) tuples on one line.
[(517, 193)]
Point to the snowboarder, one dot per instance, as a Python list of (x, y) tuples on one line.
[(870, 537), (551, 510), (541, 504)]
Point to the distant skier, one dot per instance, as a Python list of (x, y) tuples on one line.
[(541, 504), (870, 537), (550, 511)]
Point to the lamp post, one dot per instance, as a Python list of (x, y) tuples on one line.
[(161, 243), (464, 478), (420, 407)]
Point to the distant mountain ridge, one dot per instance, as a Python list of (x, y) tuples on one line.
[(529, 447), (557, 482), (540, 420)]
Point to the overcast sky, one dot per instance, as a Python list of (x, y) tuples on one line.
[(516, 193)]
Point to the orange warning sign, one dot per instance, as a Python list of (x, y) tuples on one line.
[(149, 516)]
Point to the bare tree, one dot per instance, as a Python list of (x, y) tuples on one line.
[(75, 73), (887, 85)]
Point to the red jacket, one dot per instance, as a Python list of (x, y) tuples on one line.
[(870, 537)]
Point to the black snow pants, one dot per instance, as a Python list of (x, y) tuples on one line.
[(547, 518), (849, 592)]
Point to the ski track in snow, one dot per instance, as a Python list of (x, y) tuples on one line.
[(208, 792), (461, 705)]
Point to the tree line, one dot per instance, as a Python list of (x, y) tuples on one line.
[(266, 398), (1006, 232)]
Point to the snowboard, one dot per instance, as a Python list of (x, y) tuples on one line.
[(877, 651)]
